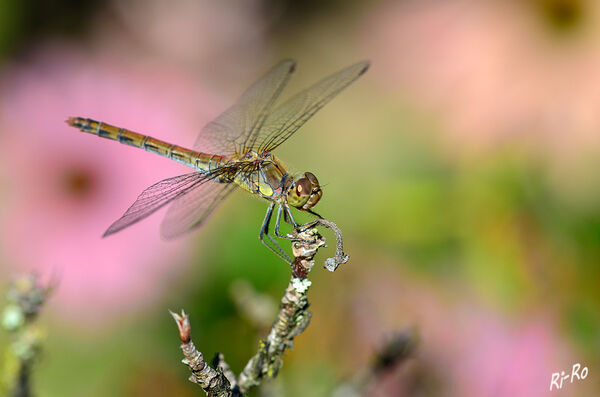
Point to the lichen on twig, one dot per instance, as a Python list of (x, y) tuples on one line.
[(291, 320), (340, 256)]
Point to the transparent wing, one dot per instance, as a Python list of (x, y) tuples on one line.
[(159, 195), (235, 129), (292, 114), (192, 210)]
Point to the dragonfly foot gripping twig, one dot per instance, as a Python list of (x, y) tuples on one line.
[(340, 256), (291, 320)]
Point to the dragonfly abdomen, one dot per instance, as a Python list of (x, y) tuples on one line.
[(202, 162)]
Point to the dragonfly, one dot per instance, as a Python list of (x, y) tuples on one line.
[(232, 152)]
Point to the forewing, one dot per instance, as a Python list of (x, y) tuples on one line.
[(192, 210), (159, 195), (292, 114), (236, 128)]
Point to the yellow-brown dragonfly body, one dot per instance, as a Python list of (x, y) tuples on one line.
[(237, 154)]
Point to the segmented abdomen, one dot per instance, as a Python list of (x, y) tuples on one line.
[(203, 162)]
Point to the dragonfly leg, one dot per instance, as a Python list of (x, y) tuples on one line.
[(288, 216), (278, 222), (314, 213), (264, 231)]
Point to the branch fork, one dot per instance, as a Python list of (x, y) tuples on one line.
[(292, 319)]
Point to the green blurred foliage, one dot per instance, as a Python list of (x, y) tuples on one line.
[(495, 224), (25, 23)]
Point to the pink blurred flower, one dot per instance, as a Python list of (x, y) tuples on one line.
[(63, 188), (496, 70), (497, 358), (464, 348), (210, 36)]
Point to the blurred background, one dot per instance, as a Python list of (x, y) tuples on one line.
[(461, 169)]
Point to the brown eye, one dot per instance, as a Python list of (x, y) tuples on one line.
[(312, 178), (302, 187)]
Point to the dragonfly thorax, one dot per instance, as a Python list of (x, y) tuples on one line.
[(305, 192), (251, 155), (261, 174)]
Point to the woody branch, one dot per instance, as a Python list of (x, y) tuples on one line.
[(291, 320)]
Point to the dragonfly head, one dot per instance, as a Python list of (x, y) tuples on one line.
[(305, 192)]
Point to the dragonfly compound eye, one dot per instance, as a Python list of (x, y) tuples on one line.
[(303, 187), (299, 193), (312, 178), (315, 191)]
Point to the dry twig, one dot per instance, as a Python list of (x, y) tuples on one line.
[(292, 319), (25, 300)]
